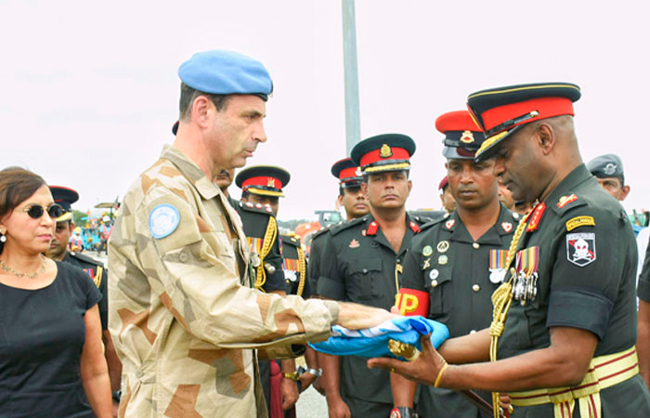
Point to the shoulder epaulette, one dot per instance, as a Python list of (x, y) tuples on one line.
[(256, 208), (291, 240), (342, 227), (431, 224), (86, 258), (320, 232), (567, 202)]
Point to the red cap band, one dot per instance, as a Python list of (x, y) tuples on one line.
[(373, 156), (411, 302), (346, 173), (547, 107), (263, 181)]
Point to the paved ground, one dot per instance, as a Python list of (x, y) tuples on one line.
[(311, 405)]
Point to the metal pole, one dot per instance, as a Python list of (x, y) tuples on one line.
[(351, 75)]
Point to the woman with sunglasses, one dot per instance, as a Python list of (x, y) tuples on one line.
[(50, 332)]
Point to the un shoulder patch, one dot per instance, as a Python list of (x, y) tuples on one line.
[(581, 248), (163, 220)]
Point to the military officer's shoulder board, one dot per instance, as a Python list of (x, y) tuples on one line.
[(320, 232), (291, 240), (432, 223), (348, 225)]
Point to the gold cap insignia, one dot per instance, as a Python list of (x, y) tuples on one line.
[(385, 151), (467, 137), (270, 182)]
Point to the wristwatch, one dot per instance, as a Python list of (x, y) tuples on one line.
[(291, 376), (317, 373), (403, 412)]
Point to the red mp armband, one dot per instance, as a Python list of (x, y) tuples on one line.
[(411, 302)]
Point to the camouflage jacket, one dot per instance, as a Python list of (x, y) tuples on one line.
[(182, 313)]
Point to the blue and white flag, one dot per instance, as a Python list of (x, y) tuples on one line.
[(373, 342)]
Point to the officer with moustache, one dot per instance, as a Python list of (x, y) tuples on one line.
[(363, 265), (455, 264)]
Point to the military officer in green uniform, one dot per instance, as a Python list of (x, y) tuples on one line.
[(363, 265), (58, 250), (643, 340), (457, 262), (563, 334)]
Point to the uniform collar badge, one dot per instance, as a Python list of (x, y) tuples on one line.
[(450, 223), (385, 151), (565, 200), (536, 217), (507, 226), (372, 228), (414, 227)]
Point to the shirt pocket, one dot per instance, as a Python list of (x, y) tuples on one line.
[(440, 287), (365, 276)]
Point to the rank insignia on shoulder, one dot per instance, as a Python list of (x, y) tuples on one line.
[(427, 251), (507, 226), (163, 220), (450, 223), (442, 246), (581, 248), (579, 221), (354, 243), (565, 200)]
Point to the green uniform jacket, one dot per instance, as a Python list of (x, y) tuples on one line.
[(359, 266), (98, 273), (460, 275), (644, 277), (587, 263)]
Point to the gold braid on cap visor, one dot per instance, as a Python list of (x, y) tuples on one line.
[(494, 138), (387, 167), (263, 192)]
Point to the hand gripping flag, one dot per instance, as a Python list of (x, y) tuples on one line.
[(397, 338)]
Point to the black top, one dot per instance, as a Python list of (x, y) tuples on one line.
[(42, 333)]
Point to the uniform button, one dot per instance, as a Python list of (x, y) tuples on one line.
[(139, 374), (473, 331), (183, 258), (434, 283), (365, 271), (476, 288), (476, 245), (399, 260)]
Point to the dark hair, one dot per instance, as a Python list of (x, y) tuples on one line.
[(16, 185), (188, 95)]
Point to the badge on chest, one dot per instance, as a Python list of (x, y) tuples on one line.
[(524, 288)]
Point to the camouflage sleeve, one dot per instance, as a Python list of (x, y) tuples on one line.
[(192, 268)]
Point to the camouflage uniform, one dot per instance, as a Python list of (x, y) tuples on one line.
[(182, 310)]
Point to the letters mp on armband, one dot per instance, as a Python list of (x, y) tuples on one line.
[(411, 302)]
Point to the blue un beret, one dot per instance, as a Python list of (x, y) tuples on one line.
[(226, 72)]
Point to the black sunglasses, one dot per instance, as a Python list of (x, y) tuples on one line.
[(36, 211)]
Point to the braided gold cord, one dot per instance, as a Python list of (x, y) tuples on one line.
[(502, 299), (302, 265), (269, 238)]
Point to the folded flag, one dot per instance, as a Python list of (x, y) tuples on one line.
[(388, 339)]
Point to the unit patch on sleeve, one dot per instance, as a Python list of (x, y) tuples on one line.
[(579, 221), (163, 220), (581, 248)]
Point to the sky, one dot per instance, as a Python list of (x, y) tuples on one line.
[(89, 90)]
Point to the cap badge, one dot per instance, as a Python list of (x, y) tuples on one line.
[(442, 246), (467, 137), (270, 182), (427, 251), (385, 151), (610, 169), (358, 172), (354, 243)]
